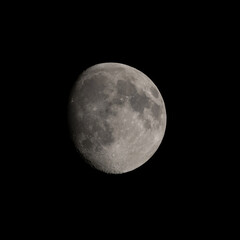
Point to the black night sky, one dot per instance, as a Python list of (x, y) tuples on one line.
[(175, 51), (171, 57)]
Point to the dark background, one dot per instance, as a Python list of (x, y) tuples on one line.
[(177, 50), (173, 57)]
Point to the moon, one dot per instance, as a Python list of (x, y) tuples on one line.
[(117, 117)]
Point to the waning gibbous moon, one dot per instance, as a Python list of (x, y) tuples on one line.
[(117, 117)]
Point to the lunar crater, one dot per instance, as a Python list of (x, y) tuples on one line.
[(154, 92)]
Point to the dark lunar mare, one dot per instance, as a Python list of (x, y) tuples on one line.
[(156, 111), (138, 101), (154, 92)]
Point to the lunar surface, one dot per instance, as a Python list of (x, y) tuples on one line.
[(117, 117)]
